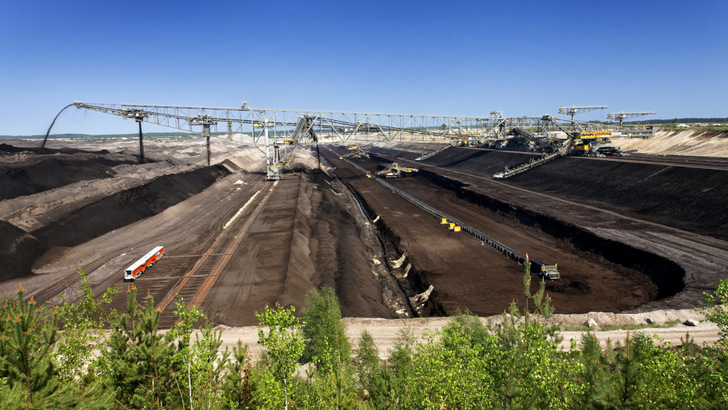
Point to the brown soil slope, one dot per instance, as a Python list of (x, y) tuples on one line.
[(466, 275), (683, 197), (36, 171), (18, 251), (308, 236), (127, 207)]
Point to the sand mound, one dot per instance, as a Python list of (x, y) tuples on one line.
[(705, 143)]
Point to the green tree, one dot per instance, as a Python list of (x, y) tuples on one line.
[(591, 368), (283, 342), (327, 344), (82, 322), (449, 371), (28, 375), (366, 358), (199, 362), (138, 361), (26, 343), (527, 372), (716, 310)]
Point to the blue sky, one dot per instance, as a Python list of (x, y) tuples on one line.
[(416, 57)]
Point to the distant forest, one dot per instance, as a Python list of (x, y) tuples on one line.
[(184, 135), (681, 121), (147, 135)]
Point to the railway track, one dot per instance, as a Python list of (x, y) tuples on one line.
[(191, 275), (195, 284)]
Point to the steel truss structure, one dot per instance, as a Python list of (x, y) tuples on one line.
[(305, 127), (268, 129)]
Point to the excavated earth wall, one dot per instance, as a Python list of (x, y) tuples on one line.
[(681, 207), (342, 246), (20, 249), (666, 274), (682, 197), (127, 207)]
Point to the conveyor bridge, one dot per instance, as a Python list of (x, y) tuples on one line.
[(561, 151), (433, 153)]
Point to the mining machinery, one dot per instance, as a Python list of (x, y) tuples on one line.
[(620, 116), (258, 124), (594, 144), (273, 131), (574, 110), (394, 170), (356, 152)]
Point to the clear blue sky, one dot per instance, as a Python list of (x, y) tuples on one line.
[(416, 57)]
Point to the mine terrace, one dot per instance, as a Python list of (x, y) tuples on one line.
[(421, 219)]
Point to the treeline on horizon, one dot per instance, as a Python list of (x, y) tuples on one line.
[(150, 135), (183, 134), (671, 121), (113, 360)]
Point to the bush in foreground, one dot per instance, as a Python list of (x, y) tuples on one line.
[(469, 364)]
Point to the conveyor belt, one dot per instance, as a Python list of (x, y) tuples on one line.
[(485, 239)]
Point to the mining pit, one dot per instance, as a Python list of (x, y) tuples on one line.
[(628, 235)]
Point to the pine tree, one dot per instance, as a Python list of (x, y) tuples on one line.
[(28, 375), (26, 342), (237, 383), (138, 363)]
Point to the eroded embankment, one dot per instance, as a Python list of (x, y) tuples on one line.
[(699, 142), (127, 207), (18, 251), (666, 274), (344, 248), (36, 173), (686, 198), (682, 197), (408, 279)]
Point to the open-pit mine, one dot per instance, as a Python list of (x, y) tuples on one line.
[(398, 228)]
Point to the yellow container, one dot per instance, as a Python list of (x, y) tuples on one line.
[(444, 221), (452, 226), (457, 228)]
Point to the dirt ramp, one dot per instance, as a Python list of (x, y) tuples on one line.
[(18, 251), (127, 207)]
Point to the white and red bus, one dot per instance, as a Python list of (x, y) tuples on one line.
[(146, 261)]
